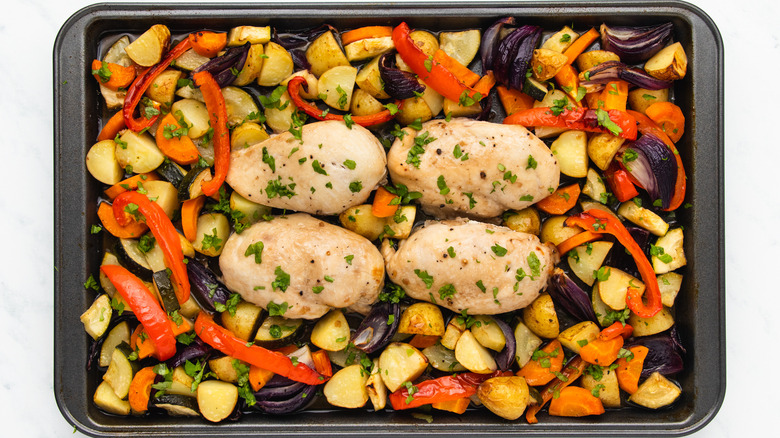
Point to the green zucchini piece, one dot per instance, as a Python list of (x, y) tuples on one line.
[(131, 257), (535, 89), (165, 288), (276, 332), (177, 405)]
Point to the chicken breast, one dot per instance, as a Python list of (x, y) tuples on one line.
[(465, 265), (473, 168), (331, 168), (310, 265)]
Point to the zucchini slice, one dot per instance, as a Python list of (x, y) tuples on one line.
[(132, 258), (189, 187), (171, 172), (121, 370), (535, 89), (108, 259), (97, 317), (165, 288), (105, 398), (276, 332), (177, 405), (120, 333)]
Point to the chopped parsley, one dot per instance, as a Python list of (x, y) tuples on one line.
[(660, 253), (318, 168), (256, 249), (392, 293), (425, 277), (442, 184), (420, 141), (531, 162), (211, 240), (447, 291), (277, 309), (282, 281), (603, 120), (602, 274), (103, 73), (451, 252), (349, 164), (355, 186), (498, 250), (349, 259), (269, 160)]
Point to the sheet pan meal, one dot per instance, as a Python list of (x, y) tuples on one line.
[(387, 218)]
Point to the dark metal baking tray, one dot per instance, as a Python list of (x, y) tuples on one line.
[(700, 305)]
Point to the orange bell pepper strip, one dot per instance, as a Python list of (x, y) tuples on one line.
[(223, 340), (603, 222), (112, 127), (206, 43), (215, 105), (142, 82), (464, 75), (615, 330), (615, 95), (148, 311), (541, 371), (577, 240), (362, 33), (582, 119), (574, 401), (294, 90), (383, 206), (629, 371), (432, 72), (440, 390), (141, 389), (190, 211), (133, 230), (619, 181), (571, 372), (561, 200), (322, 363), (179, 148), (647, 126), (118, 77), (569, 82), (458, 406), (164, 233)]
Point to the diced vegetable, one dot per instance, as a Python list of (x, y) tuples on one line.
[(506, 397), (656, 392), (331, 331), (399, 363), (347, 388), (216, 399)]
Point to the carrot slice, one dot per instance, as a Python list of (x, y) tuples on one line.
[(117, 76), (129, 184), (577, 240), (423, 341), (569, 82), (133, 230), (580, 44), (615, 95), (112, 127), (543, 369), (669, 117), (190, 210), (362, 33), (629, 371), (485, 84), (141, 389), (457, 406), (322, 363), (382, 206), (145, 344), (466, 76), (602, 352), (179, 148), (258, 377), (514, 100), (206, 43), (561, 200), (574, 401)]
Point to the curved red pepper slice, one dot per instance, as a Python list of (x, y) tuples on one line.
[(142, 82), (226, 342), (145, 308), (602, 222), (164, 233), (616, 329), (440, 390), (215, 105), (294, 89), (581, 119), (432, 72)]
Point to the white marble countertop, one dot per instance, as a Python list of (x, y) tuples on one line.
[(27, 407)]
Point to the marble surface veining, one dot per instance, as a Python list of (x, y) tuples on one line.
[(27, 32)]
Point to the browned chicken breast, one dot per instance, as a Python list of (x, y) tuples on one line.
[(472, 266), (310, 265), (331, 168), (473, 168)]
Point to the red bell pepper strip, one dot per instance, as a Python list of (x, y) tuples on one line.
[(581, 119), (616, 329), (431, 71), (647, 126), (164, 233), (571, 372), (603, 222), (215, 105), (148, 311), (226, 342), (142, 82), (294, 89), (620, 182), (439, 390)]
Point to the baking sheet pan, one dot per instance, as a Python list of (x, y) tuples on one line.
[(700, 305)]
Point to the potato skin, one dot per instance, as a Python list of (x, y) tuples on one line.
[(506, 397)]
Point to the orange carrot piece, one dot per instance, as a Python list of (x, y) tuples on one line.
[(580, 44), (141, 389), (561, 201), (514, 100), (571, 372), (541, 371), (601, 352), (577, 240), (362, 33), (574, 401), (669, 117), (593, 100), (133, 230), (258, 377), (485, 84), (615, 95), (145, 344), (457, 406), (629, 371), (322, 363), (120, 77), (567, 80), (615, 330), (206, 43), (129, 184), (382, 203), (112, 127), (466, 76), (190, 211), (180, 149), (423, 341)]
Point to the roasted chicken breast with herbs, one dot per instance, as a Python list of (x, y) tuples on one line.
[(328, 169), (473, 168), (303, 265), (472, 266)]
